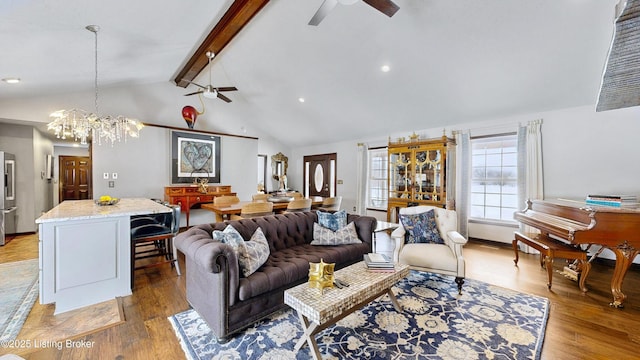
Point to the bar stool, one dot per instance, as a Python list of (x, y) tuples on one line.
[(152, 237)]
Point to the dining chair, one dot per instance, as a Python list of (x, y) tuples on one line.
[(298, 205), (260, 197), (254, 209), (294, 194), (226, 200), (331, 204)]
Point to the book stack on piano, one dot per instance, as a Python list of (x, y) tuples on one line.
[(613, 200), (378, 263)]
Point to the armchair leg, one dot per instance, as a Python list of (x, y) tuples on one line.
[(459, 281)]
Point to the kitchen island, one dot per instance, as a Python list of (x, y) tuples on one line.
[(85, 251)]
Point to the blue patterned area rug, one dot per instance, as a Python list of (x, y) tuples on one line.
[(485, 322), (19, 289)]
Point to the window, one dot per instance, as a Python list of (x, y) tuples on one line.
[(494, 178), (377, 190)]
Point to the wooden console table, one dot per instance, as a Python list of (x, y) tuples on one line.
[(189, 195)]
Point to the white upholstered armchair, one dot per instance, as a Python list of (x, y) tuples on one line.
[(444, 258)]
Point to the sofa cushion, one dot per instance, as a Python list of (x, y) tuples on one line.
[(333, 221), (421, 228), (342, 236)]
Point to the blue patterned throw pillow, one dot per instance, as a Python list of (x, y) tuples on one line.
[(421, 228), (251, 254), (334, 221)]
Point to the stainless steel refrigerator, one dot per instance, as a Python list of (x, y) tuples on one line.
[(8, 196)]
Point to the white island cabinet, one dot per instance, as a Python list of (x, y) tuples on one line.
[(85, 251)]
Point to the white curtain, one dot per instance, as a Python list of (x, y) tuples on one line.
[(535, 183), (530, 177), (463, 178), (362, 169)]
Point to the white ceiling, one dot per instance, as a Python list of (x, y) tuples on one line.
[(452, 61)]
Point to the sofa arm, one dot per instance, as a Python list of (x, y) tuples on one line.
[(456, 242), (210, 256), (398, 235), (456, 238), (365, 225)]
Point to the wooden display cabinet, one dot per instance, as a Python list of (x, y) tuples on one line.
[(418, 173)]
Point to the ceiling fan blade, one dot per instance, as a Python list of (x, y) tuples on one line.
[(193, 93), (324, 9), (227, 88), (386, 7), (198, 85), (220, 96)]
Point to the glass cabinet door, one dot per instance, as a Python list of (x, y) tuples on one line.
[(400, 181), (428, 173)]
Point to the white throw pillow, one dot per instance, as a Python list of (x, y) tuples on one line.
[(343, 236)]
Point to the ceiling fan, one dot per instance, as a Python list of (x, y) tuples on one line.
[(209, 91), (386, 7)]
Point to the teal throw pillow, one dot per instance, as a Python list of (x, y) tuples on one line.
[(421, 228), (333, 221)]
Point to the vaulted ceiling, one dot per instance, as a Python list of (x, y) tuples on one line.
[(451, 61)]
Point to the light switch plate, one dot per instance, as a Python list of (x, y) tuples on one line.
[(114, 176), (105, 176), (112, 184)]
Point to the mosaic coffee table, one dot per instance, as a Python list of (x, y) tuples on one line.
[(317, 310)]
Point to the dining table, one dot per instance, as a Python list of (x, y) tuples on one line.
[(224, 211)]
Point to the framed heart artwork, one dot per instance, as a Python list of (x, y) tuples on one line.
[(194, 157)]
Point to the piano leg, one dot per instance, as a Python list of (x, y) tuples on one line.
[(624, 257), (585, 267), (514, 243), (548, 263)]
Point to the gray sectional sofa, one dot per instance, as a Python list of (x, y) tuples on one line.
[(230, 302)]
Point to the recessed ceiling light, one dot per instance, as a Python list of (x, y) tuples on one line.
[(301, 99), (385, 68), (11, 80)]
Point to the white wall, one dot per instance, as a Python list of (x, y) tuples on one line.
[(143, 166), (583, 152), (32, 191), (42, 147)]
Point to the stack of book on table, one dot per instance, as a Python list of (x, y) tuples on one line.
[(613, 200), (378, 263)]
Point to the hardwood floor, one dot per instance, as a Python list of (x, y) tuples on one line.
[(579, 327)]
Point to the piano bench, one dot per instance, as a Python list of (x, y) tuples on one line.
[(549, 249)]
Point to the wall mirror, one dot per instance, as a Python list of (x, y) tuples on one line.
[(279, 164)]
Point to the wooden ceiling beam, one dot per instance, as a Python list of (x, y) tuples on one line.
[(231, 23)]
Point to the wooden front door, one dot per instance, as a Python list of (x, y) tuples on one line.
[(75, 178), (320, 175)]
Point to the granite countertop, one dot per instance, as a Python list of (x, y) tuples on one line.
[(88, 209)]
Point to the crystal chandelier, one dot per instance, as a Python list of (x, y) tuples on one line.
[(81, 124)]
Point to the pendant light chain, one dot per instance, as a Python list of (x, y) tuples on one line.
[(82, 125), (95, 29)]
